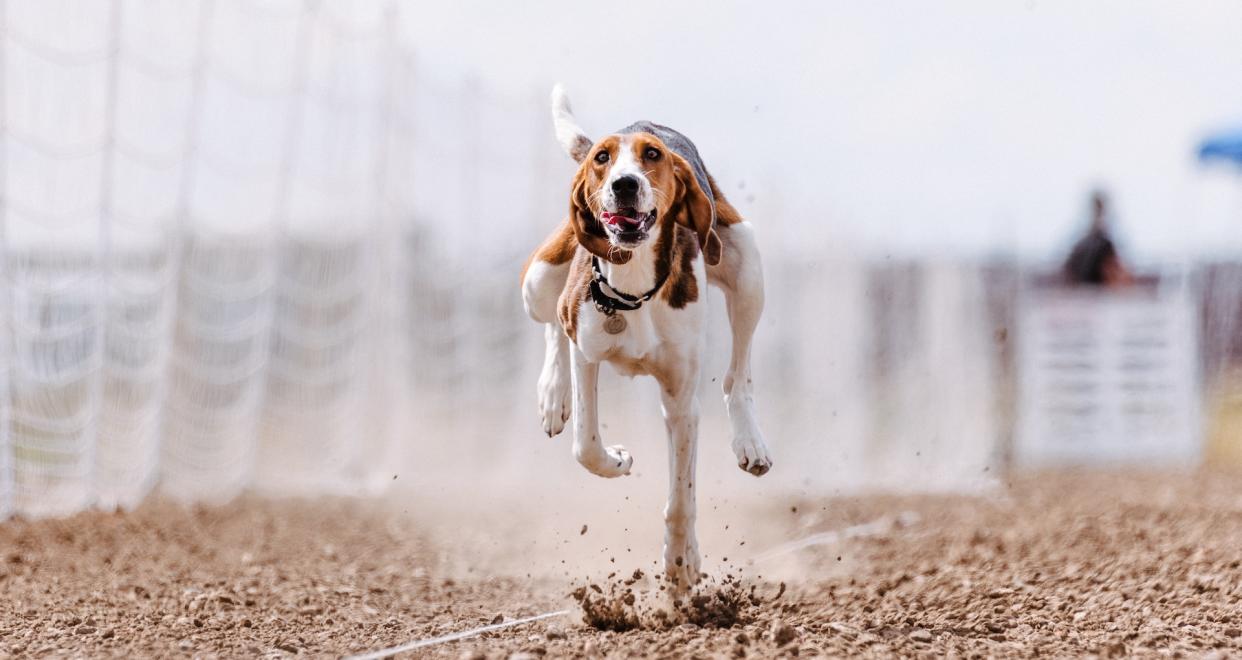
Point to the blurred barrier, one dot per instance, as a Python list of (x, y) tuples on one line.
[(219, 354), (55, 322), (1109, 376), (314, 408), (1221, 283), (1224, 422), (247, 245), (197, 201), (140, 312)]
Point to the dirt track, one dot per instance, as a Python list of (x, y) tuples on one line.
[(1064, 565)]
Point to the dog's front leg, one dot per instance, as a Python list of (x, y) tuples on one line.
[(681, 417), (553, 384), (542, 284), (590, 451)]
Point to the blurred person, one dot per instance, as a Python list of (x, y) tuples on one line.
[(1094, 260)]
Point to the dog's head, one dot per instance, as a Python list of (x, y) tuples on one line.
[(627, 184)]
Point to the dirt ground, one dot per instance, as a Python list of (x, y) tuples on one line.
[(1107, 564)]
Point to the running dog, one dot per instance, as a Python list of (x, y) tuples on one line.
[(623, 280)]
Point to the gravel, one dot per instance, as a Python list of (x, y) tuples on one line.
[(1051, 564)]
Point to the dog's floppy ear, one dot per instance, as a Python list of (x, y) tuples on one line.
[(586, 226), (695, 210)]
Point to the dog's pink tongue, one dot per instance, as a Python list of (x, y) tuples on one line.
[(618, 219)]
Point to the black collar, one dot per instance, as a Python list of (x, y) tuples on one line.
[(609, 300)]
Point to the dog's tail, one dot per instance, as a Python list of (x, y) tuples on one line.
[(571, 136)]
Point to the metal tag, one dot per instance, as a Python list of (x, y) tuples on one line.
[(615, 324)]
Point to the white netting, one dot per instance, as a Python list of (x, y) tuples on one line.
[(249, 244), (195, 198), (316, 374), (54, 246), (217, 365), (55, 325)]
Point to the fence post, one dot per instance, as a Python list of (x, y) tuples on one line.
[(378, 375), (182, 215), (107, 173), (6, 287)]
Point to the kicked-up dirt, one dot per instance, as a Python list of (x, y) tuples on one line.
[(1051, 564)]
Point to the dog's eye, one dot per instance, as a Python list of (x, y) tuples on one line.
[(651, 153), (601, 157)]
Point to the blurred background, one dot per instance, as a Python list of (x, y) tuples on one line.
[(274, 245)]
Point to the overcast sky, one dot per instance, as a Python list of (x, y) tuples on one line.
[(959, 127)]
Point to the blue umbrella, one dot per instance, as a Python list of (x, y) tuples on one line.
[(1226, 145)]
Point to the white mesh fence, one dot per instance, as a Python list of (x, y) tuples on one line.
[(248, 244), (216, 374), (197, 215)]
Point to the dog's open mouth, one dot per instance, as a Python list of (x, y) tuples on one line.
[(628, 224)]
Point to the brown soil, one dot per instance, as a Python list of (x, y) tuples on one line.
[(636, 602), (1052, 564)]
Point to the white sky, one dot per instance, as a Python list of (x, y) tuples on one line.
[(951, 126)]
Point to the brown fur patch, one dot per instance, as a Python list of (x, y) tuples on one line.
[(682, 288), (676, 249), (725, 213), (584, 208), (558, 248), (577, 290)]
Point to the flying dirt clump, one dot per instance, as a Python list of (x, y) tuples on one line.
[(721, 605), (635, 603)]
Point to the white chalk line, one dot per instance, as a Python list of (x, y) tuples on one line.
[(874, 528), (877, 527), (452, 637)]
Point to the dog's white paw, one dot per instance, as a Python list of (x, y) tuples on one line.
[(752, 453), (554, 400), (608, 462)]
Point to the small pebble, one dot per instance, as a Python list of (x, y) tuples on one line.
[(554, 632), (784, 634)]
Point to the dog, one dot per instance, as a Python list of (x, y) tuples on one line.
[(623, 280)]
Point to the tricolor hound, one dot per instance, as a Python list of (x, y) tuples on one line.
[(623, 280)]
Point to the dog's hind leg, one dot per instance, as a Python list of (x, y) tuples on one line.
[(541, 286), (740, 275), (681, 417), (590, 451)]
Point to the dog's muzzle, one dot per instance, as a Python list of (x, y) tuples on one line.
[(628, 225)]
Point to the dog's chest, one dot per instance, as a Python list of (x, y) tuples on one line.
[(650, 337), (630, 349)]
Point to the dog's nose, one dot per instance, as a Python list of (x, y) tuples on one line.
[(625, 186)]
